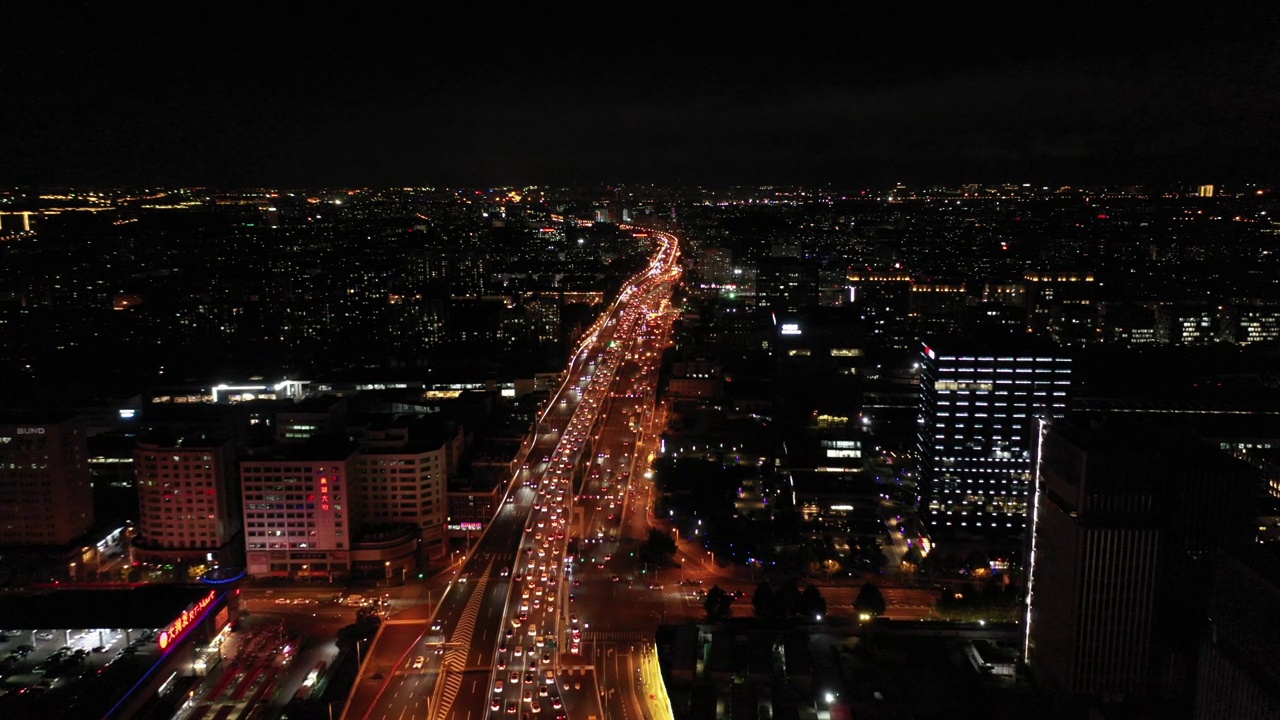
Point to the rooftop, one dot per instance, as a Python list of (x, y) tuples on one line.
[(145, 606)]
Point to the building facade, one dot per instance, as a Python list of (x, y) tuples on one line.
[(1127, 524), (188, 502), (46, 497), (401, 477), (298, 515), (977, 426)]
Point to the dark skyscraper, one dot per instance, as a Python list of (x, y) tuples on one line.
[(1126, 524), (45, 493)]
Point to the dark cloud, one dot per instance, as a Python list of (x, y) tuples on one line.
[(268, 94)]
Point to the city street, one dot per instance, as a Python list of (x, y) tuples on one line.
[(469, 636)]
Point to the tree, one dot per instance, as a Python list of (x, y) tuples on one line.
[(869, 600), (812, 602), (912, 556), (786, 602), (763, 600), (869, 556), (718, 604), (659, 548), (932, 564), (367, 622), (977, 559)]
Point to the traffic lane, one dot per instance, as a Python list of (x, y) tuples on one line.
[(393, 643), (580, 693), (405, 698), (615, 682), (488, 631)]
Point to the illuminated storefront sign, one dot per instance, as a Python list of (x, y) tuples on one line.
[(189, 617), (324, 494), (466, 526), (790, 329)]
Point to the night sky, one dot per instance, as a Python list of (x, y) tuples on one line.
[(120, 93)]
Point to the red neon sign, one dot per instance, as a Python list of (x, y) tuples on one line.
[(189, 617), (324, 494)]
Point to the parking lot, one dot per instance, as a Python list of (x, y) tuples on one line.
[(44, 661)]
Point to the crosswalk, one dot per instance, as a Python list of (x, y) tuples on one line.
[(595, 575), (617, 635)]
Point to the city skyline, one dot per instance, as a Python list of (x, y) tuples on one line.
[(524, 362)]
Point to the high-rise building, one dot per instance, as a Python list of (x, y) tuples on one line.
[(978, 411), (715, 266), (401, 478), (1049, 290), (1257, 323), (785, 283), (46, 497), (188, 502), (298, 515), (1238, 676), (1126, 524)]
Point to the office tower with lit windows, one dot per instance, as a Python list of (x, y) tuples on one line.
[(298, 519), (46, 497), (978, 408), (188, 502)]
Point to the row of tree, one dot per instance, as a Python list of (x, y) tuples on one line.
[(787, 603)]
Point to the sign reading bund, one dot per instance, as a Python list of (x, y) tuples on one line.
[(189, 617)]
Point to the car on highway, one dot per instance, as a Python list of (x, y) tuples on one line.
[(499, 685), (418, 662), (496, 705)]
